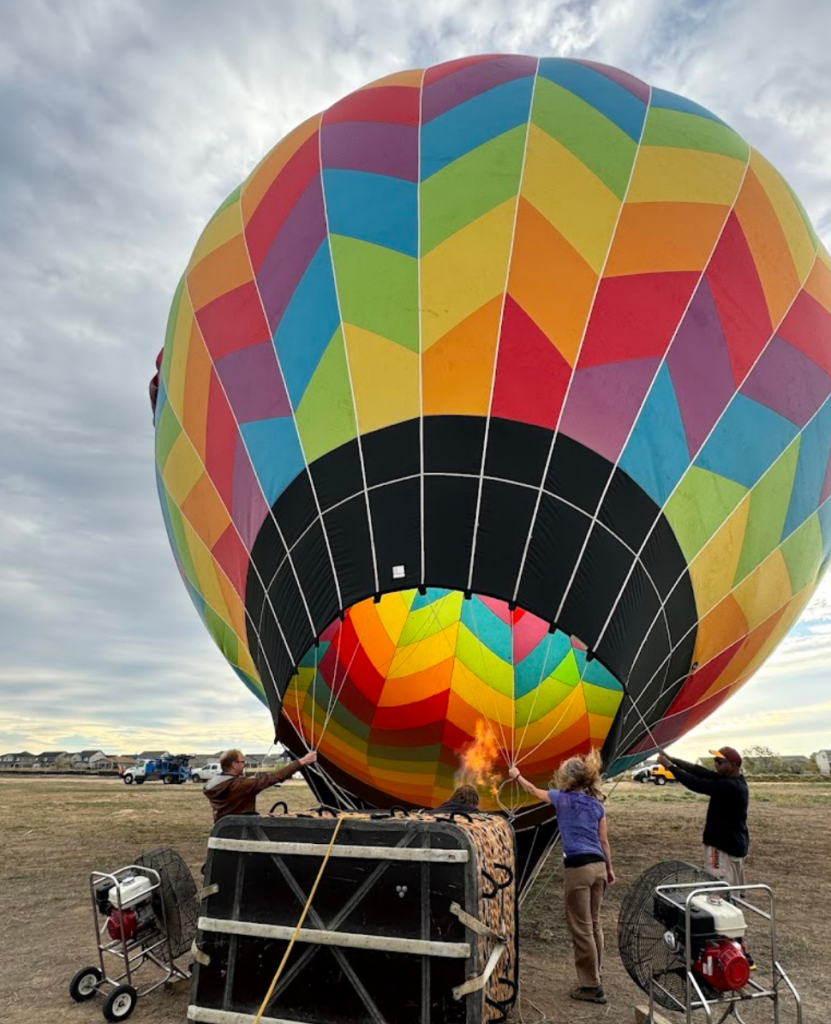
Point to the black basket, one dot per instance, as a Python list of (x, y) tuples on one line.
[(382, 941)]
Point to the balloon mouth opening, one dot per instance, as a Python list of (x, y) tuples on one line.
[(419, 693)]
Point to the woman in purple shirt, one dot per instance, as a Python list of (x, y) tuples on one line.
[(578, 801)]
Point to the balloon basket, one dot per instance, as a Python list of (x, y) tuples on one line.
[(413, 920)]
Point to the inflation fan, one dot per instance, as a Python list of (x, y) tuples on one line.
[(149, 911), (684, 938)]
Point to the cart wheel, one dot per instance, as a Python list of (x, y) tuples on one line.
[(120, 1003), (85, 984)]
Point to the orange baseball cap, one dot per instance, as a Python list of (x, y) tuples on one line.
[(728, 754)]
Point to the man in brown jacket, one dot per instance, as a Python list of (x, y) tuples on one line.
[(233, 793)]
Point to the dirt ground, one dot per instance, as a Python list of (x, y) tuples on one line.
[(54, 831)]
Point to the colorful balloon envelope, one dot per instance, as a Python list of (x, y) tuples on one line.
[(494, 413)]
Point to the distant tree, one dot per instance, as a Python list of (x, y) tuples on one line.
[(762, 760), (812, 768)]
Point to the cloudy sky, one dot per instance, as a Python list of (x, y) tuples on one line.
[(124, 124)]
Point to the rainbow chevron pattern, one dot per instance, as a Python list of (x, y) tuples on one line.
[(396, 691), (546, 246)]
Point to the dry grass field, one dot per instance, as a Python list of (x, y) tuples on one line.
[(54, 831)]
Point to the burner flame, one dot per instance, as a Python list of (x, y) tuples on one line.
[(479, 759)]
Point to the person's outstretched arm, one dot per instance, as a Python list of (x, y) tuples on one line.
[(700, 781), (257, 783), (691, 769), (529, 787)]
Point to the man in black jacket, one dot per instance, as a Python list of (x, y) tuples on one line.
[(726, 838)]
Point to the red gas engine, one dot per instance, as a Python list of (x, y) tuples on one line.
[(717, 928), (724, 965), (128, 908)]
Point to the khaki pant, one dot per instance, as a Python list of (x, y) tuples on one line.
[(584, 888), (722, 865)]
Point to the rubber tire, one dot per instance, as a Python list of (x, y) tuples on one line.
[(168, 780), (643, 778), (195, 778), (117, 995), (81, 995), (660, 780), (128, 779), (139, 782)]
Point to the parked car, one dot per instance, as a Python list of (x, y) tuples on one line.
[(206, 772), (653, 773)]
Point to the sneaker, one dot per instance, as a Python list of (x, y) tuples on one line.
[(589, 995)]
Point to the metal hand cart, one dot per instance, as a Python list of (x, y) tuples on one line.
[(773, 983), (150, 945)]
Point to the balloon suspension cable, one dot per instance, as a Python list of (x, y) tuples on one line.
[(566, 704), (335, 697), (509, 812), (537, 689), (485, 674), (644, 723), (535, 876), (314, 696), (316, 768), (442, 632)]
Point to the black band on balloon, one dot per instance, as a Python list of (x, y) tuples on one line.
[(563, 536)]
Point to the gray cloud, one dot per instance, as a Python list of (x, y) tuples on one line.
[(125, 124)]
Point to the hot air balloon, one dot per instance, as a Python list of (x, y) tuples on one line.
[(493, 424)]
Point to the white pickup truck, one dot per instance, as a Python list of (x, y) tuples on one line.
[(206, 772)]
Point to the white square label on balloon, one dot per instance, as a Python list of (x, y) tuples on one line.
[(398, 572)]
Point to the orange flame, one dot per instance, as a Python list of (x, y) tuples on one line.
[(478, 760)]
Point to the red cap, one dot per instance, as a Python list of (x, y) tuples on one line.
[(729, 754)]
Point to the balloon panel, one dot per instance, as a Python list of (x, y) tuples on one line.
[(523, 328)]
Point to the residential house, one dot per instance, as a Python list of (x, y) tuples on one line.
[(100, 761), (153, 755), (823, 759), (69, 759), (277, 760), (122, 762), (89, 757), (200, 760), (49, 758), (23, 759)]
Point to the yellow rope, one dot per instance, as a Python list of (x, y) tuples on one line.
[(276, 978)]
